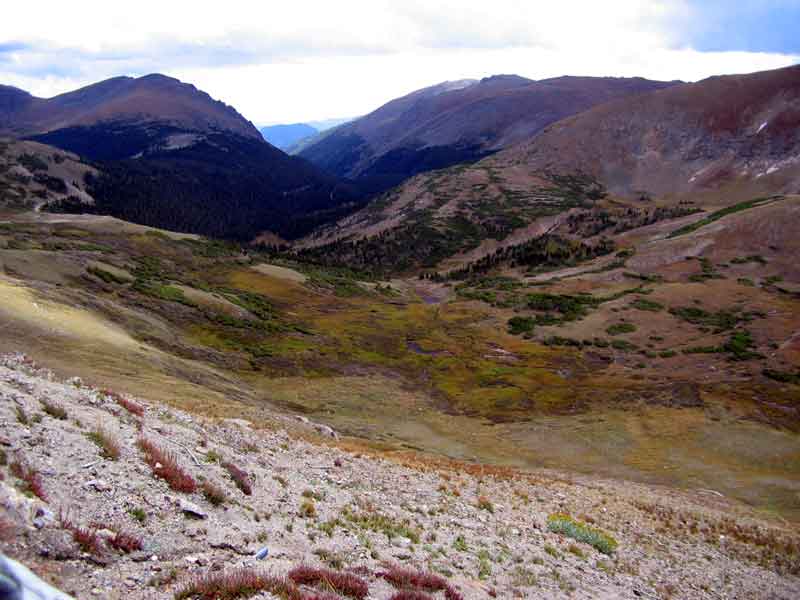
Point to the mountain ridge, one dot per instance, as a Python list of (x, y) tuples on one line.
[(167, 154), (150, 97), (456, 122)]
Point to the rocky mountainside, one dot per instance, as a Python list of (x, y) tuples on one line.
[(457, 122), (707, 144), (688, 138), (166, 154), (107, 495), (33, 176)]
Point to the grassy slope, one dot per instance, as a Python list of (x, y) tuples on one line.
[(444, 377)]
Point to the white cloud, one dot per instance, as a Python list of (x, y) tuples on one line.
[(286, 61)]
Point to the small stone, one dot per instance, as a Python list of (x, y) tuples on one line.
[(97, 485), (191, 509), (403, 542), (43, 517)]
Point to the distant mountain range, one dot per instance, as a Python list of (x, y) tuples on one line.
[(152, 98), (169, 155), (722, 140), (455, 122), (164, 153), (292, 138), (694, 137), (286, 136)]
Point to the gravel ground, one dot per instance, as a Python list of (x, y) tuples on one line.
[(314, 503)]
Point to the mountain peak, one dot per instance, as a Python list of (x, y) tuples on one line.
[(151, 98)]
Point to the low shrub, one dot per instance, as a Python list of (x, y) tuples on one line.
[(380, 523), (138, 514), (346, 584), (240, 477), (213, 493), (782, 376), (520, 325), (308, 509), (647, 305), (623, 345), (485, 504), (54, 410), (108, 444), (164, 465), (620, 328), (125, 542), (30, 477), (239, 583), (566, 525), (403, 578), (85, 537), (22, 416), (129, 405)]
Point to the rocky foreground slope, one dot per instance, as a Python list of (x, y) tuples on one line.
[(109, 496)]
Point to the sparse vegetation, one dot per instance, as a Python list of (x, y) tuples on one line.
[(22, 416), (240, 477), (213, 493), (238, 583), (138, 514), (108, 444), (647, 305), (410, 580), (30, 477), (54, 410), (86, 537), (715, 216), (566, 525), (126, 403), (307, 510), (485, 504), (165, 465), (620, 328), (379, 523), (346, 584)]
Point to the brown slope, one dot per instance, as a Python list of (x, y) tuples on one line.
[(457, 121), (144, 99), (703, 142), (688, 138)]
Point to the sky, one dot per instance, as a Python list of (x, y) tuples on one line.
[(300, 60)]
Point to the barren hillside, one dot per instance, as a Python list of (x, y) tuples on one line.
[(104, 494)]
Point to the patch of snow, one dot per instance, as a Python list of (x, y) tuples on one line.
[(760, 129)]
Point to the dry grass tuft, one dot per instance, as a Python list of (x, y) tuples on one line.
[(129, 405), (240, 477), (85, 537), (29, 476), (108, 444), (164, 465), (240, 583), (409, 581), (213, 493), (347, 584), (126, 542), (54, 410)]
